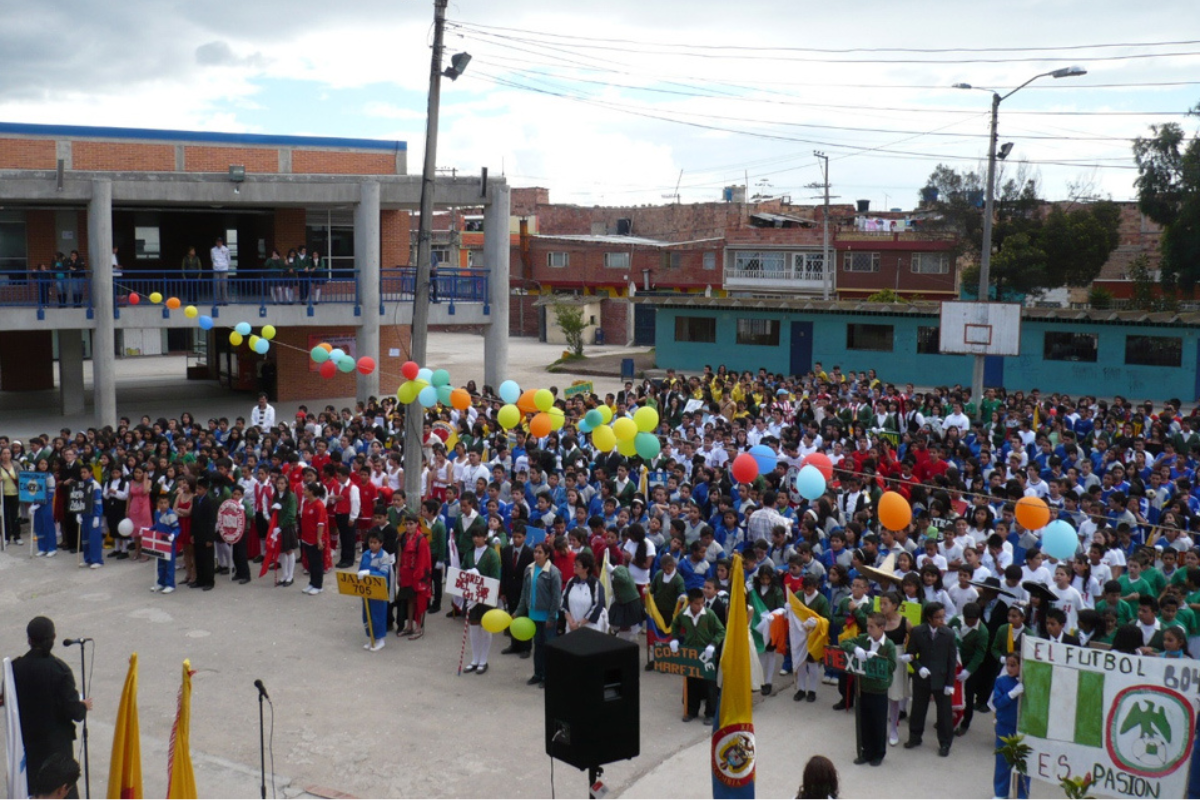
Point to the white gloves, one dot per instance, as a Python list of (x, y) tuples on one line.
[(949, 690), (1016, 691), (171, 538), (276, 507), (708, 653), (904, 658), (965, 675), (809, 624), (674, 646), (95, 522), (275, 533), (923, 672), (33, 507), (860, 654), (362, 573)]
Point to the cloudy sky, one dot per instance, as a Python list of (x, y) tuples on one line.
[(608, 102)]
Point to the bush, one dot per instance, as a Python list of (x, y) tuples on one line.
[(1100, 298), (570, 320)]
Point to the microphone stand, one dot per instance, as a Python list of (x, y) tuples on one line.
[(262, 745), (87, 774)]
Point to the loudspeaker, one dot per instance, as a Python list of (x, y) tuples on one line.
[(592, 699)]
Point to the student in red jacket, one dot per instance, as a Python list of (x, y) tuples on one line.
[(314, 535)]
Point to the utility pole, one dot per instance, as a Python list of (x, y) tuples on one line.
[(826, 265), (414, 416)]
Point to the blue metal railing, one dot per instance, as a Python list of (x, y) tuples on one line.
[(20, 288), (259, 287), (450, 285)]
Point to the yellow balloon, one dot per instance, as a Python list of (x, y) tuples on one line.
[(190, 312), (646, 419), (606, 414), (235, 338), (625, 429), (557, 418), (509, 417), (408, 391), (268, 332), (603, 438), (626, 447), (496, 620), (543, 399), (156, 297)]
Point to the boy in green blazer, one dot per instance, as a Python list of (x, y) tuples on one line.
[(698, 627), (872, 706)]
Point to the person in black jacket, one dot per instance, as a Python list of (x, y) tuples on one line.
[(515, 559), (934, 659), (204, 534), (69, 477), (47, 696)]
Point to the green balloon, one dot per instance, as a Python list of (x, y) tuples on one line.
[(346, 365), (647, 445), (523, 629), (440, 378), (443, 393)]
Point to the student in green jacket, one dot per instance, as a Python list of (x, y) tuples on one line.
[(666, 587), (873, 700), (276, 276), (972, 651), (1112, 599), (698, 627), (481, 557), (431, 518)]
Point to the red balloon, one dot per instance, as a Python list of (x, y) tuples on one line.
[(328, 369), (821, 462), (134, 299), (745, 468), (410, 370), (366, 365)]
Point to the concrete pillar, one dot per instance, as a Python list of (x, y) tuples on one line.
[(495, 257), (366, 262), (104, 339), (70, 371)]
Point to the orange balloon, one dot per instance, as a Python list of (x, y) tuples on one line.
[(173, 303), (540, 425), (460, 399), (1033, 513), (894, 511), (326, 346), (526, 404)]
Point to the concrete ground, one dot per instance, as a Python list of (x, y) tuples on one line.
[(400, 722)]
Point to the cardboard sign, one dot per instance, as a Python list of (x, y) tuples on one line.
[(472, 587), (231, 521), (582, 387), (156, 544), (371, 587), (77, 499), (874, 668), (32, 487), (687, 662), (908, 609)]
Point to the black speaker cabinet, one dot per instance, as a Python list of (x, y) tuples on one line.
[(592, 702)]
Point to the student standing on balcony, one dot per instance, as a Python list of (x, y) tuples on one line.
[(191, 269), (220, 266)]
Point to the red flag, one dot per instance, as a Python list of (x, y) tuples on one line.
[(272, 553)]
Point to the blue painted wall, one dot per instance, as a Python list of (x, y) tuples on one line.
[(1106, 377)]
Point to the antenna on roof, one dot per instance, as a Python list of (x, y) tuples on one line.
[(675, 196)]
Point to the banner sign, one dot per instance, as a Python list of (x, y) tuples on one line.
[(1127, 721), (688, 662), (33, 487), (231, 521), (472, 587), (77, 498), (371, 587), (581, 388), (874, 668), (156, 544)]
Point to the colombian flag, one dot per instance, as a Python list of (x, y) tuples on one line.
[(181, 780), (733, 726), (125, 769)]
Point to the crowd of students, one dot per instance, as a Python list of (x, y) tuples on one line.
[(949, 597)]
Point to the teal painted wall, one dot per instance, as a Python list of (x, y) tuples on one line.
[(1106, 377)]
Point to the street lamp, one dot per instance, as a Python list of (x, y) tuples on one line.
[(985, 257)]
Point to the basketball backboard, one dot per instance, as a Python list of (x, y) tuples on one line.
[(987, 329)]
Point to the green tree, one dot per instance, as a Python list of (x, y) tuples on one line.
[(570, 320), (1168, 186)]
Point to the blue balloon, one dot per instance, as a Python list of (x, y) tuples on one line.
[(243, 328), (206, 323), (425, 374), (1059, 540), (765, 457), (336, 354), (810, 482), (593, 418), (428, 396), (584, 426), (262, 346), (510, 392)]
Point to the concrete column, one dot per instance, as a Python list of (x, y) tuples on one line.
[(366, 262), (495, 257), (70, 371), (104, 339)]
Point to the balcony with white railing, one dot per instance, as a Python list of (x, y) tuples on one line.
[(775, 271)]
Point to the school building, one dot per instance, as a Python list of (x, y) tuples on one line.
[(1134, 354)]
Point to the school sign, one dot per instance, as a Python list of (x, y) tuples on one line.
[(1128, 721)]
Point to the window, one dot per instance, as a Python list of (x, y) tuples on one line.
[(758, 331), (809, 266), (13, 254), (710, 260), (439, 256), (695, 329), (931, 263), (756, 262), (860, 262), (1067, 346), (1154, 351), (147, 245), (676, 261), (558, 259), (231, 241), (929, 340), (616, 260), (869, 337)]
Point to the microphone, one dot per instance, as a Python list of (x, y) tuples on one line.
[(69, 642), (258, 684)]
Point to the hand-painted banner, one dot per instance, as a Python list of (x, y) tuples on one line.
[(688, 662), (372, 587), (472, 587)]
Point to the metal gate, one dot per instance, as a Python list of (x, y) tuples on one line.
[(643, 325)]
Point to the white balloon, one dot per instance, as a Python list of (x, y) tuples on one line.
[(125, 527)]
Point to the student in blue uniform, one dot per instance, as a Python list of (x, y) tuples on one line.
[(1005, 699), (90, 532), (43, 515), (165, 521), (376, 561)]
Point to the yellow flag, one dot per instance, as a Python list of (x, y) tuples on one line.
[(125, 769), (181, 780), (606, 579), (733, 748), (818, 637)]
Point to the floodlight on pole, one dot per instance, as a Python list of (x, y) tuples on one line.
[(458, 65)]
